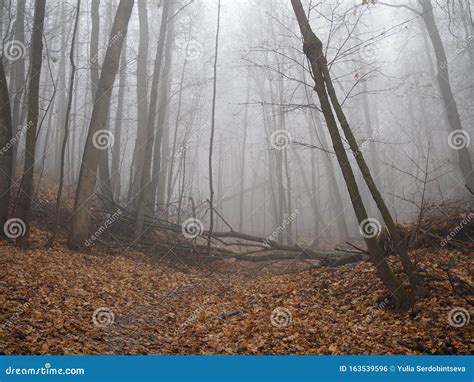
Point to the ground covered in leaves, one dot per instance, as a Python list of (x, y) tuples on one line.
[(145, 305)]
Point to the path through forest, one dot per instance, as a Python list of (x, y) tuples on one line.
[(124, 302)]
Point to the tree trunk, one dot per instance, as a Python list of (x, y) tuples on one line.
[(90, 158), (142, 102), (161, 150), (117, 149), (6, 152), (66, 123), (146, 193), (465, 161), (312, 48), (26, 186), (213, 125), (242, 158), (17, 78)]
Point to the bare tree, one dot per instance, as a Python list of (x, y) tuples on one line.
[(6, 153), (66, 122), (146, 192), (312, 48), (90, 159), (213, 125), (26, 186)]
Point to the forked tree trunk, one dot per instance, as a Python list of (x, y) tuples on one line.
[(90, 159), (312, 48)]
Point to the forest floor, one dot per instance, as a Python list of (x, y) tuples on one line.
[(150, 306)]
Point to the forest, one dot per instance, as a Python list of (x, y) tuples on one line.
[(236, 177)]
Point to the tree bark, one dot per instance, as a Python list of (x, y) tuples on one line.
[(213, 125), (142, 101), (66, 123), (312, 48), (90, 158), (454, 120), (17, 78), (146, 193), (6, 151), (26, 186), (117, 149)]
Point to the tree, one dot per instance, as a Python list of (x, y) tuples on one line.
[(146, 191), (26, 185), (142, 101), (66, 120), (90, 159), (17, 77), (213, 125), (313, 49), (444, 86), (6, 153)]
